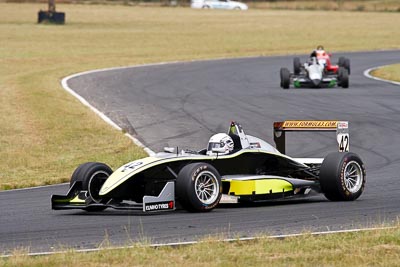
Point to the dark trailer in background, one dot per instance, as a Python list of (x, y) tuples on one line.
[(51, 15)]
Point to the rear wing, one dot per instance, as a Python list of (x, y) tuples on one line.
[(340, 127)]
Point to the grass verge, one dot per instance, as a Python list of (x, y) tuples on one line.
[(367, 248), (46, 133), (391, 73), (337, 5)]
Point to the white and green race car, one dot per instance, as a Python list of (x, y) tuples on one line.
[(251, 170)]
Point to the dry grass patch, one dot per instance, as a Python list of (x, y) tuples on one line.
[(391, 72), (338, 5), (46, 133), (371, 248)]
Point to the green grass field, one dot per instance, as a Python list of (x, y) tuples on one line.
[(46, 133)]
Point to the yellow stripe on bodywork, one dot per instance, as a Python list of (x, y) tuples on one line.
[(258, 187), (77, 200)]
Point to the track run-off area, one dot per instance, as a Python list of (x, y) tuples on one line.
[(183, 104)]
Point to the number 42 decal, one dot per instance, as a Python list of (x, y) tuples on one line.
[(343, 140)]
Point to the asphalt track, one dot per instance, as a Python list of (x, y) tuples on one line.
[(183, 104)]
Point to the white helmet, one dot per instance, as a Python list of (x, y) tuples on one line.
[(220, 144)]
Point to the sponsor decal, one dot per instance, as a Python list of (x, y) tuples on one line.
[(343, 125), (132, 165), (158, 206), (342, 175), (196, 172), (309, 124), (255, 145)]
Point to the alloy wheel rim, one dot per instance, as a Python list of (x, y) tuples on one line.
[(95, 183), (206, 187), (353, 176)]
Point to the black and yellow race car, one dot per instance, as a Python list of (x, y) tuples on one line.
[(252, 170)]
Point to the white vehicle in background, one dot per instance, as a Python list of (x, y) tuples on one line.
[(218, 4)]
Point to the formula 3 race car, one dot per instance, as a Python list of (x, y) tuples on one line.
[(317, 72), (252, 170)]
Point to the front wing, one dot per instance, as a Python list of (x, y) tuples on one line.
[(165, 201), (327, 82)]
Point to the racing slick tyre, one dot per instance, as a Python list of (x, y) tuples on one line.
[(341, 61), (285, 78), (296, 66), (76, 174), (198, 187), (342, 176), (346, 65), (92, 175), (343, 77)]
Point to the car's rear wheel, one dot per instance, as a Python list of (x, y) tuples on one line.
[(341, 61), (296, 66), (198, 187), (285, 78), (92, 175), (343, 77), (342, 176), (346, 65)]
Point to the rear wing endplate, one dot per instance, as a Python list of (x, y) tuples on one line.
[(238, 136), (340, 127)]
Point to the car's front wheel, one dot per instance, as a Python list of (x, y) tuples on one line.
[(285, 78), (92, 175), (199, 187), (342, 176), (296, 66), (343, 77)]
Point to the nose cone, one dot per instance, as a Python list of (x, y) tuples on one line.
[(316, 82)]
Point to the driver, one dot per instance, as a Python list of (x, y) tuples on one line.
[(220, 144), (313, 59), (313, 54)]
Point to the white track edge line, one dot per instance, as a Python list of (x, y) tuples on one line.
[(64, 83), (188, 243), (368, 75)]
